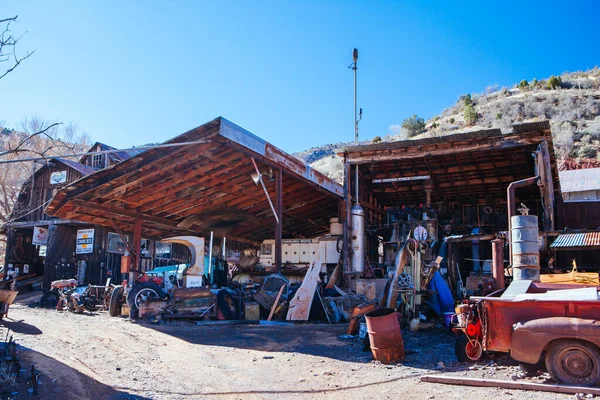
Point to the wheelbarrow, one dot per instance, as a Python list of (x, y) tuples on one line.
[(6, 299)]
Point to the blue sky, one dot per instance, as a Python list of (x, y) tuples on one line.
[(133, 72)]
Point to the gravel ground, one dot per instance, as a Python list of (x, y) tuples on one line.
[(94, 356)]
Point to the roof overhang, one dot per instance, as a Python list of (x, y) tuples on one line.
[(472, 166), (204, 187)]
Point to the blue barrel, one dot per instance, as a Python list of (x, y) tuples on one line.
[(525, 247)]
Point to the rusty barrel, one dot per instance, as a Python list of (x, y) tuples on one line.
[(525, 247), (386, 341)]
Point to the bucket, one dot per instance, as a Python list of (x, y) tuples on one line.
[(448, 319), (386, 341)]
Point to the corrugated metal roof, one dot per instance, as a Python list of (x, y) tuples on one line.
[(454, 137), (579, 180), (582, 239), (83, 169)]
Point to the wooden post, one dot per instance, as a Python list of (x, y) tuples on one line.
[(498, 263), (137, 248), (279, 224), (548, 186)]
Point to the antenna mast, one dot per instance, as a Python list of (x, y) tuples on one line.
[(356, 119)]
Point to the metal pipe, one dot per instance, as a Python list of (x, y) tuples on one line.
[(210, 248), (260, 179), (498, 263), (354, 68), (346, 238), (512, 207)]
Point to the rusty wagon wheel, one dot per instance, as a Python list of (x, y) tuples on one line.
[(467, 350), (574, 362), (116, 301)]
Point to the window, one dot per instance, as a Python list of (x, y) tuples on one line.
[(98, 161), (163, 250), (116, 244), (146, 248)]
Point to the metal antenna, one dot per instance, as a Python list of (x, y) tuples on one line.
[(356, 119)]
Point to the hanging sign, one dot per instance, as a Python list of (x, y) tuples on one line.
[(58, 177), (85, 241), (402, 179), (40, 236)]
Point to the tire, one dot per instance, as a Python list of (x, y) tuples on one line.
[(574, 362), (116, 301), (465, 352), (142, 291), (227, 304)]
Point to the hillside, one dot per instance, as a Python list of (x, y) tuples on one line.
[(570, 101)]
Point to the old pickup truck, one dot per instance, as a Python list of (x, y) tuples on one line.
[(536, 323)]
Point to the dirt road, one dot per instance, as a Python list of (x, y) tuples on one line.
[(94, 356)]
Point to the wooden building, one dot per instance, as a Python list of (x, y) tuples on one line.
[(207, 180), (454, 187), (59, 248)]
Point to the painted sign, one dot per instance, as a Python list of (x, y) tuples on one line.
[(58, 177), (85, 241), (402, 179), (40, 236)]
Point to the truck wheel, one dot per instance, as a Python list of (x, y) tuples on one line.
[(116, 301), (143, 292), (227, 304), (574, 362), (467, 350)]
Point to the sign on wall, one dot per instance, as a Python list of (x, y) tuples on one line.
[(40, 236), (58, 177), (85, 241)]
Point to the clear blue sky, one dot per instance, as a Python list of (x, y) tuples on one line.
[(133, 72)]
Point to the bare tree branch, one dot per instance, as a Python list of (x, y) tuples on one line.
[(8, 41)]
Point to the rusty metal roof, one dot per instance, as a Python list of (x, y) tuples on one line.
[(580, 180), (577, 240), (202, 187)]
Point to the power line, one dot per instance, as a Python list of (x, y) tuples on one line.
[(158, 146)]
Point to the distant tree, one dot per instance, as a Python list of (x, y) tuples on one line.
[(468, 100), (8, 46), (470, 114), (414, 125), (534, 82), (451, 120), (377, 139), (499, 115), (523, 84), (554, 82)]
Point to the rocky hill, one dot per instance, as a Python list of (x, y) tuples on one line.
[(570, 101)]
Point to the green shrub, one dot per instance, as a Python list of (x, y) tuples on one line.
[(468, 101), (452, 120), (414, 125), (377, 139), (470, 114), (523, 84), (499, 115), (534, 82), (554, 82)]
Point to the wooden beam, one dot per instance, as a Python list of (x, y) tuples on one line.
[(540, 387)]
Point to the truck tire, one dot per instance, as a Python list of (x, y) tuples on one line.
[(142, 291), (574, 362), (116, 301), (227, 304)]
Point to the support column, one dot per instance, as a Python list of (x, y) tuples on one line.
[(498, 263), (279, 223), (137, 248)]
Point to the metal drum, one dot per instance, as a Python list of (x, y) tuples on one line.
[(386, 341), (525, 247)]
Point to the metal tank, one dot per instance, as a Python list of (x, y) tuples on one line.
[(357, 241), (525, 247)]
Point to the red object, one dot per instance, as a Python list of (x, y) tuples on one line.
[(386, 341)]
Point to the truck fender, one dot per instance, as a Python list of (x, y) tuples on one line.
[(530, 339)]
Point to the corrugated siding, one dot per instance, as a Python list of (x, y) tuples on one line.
[(587, 239)]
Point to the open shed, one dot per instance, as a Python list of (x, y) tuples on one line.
[(206, 181)]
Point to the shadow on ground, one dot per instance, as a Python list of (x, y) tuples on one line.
[(58, 381)]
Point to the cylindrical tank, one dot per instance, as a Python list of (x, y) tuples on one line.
[(335, 227), (525, 247), (357, 241), (386, 341)]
